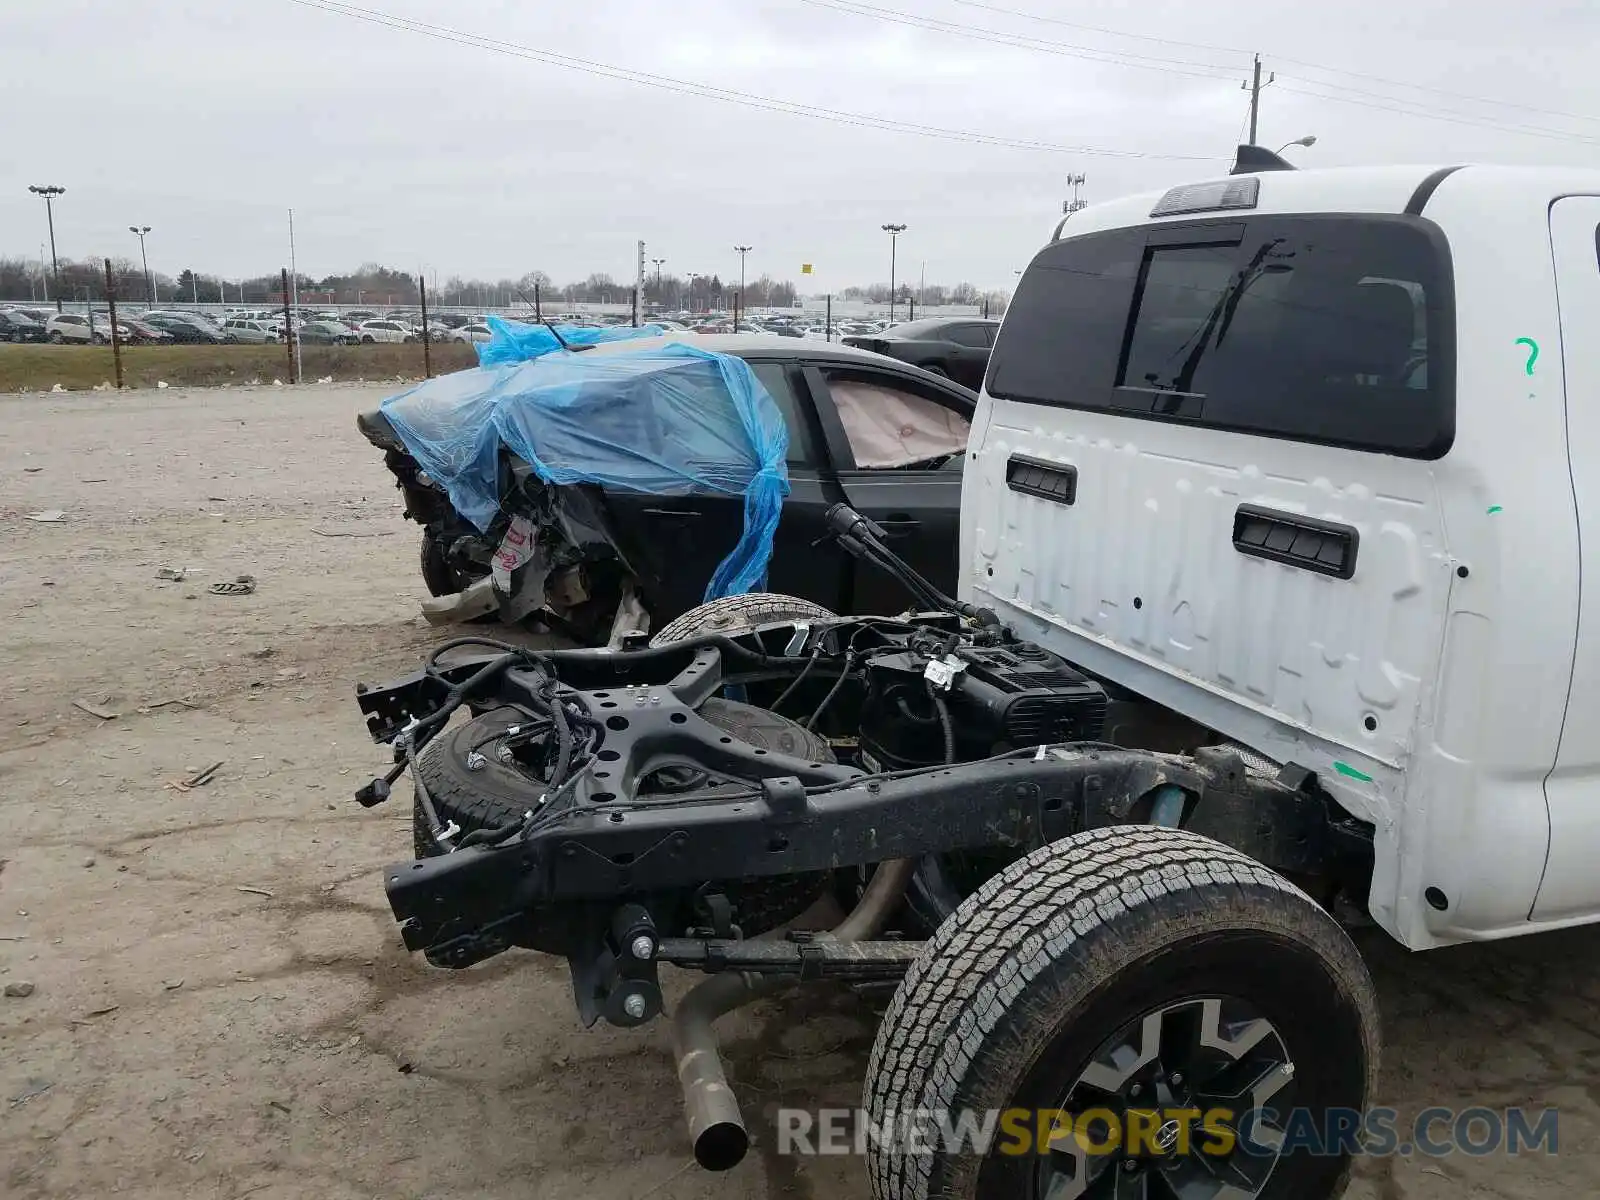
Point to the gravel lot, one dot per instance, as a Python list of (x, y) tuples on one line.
[(220, 1004)]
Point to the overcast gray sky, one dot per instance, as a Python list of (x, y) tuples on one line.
[(207, 119)]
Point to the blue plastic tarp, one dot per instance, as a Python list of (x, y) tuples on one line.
[(514, 341), (670, 420)]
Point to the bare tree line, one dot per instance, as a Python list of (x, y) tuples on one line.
[(84, 280)]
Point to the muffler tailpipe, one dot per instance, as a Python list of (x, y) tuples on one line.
[(716, 1127)]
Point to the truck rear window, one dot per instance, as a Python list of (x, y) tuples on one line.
[(1333, 329)]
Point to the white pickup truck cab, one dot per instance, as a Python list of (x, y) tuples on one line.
[(1312, 459)]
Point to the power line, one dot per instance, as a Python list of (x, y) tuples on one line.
[(1435, 112), (709, 92), (1141, 37), (1451, 118), (1415, 108), (1310, 66), (1171, 66), (1422, 87)]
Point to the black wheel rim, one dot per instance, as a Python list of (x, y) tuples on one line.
[(1207, 1054)]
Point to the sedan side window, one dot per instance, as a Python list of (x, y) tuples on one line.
[(969, 335), (774, 376), (890, 423)]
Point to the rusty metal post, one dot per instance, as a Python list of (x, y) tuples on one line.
[(427, 337), (116, 338), (288, 329), (827, 331)]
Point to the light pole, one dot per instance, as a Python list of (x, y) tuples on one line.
[(50, 192), (1308, 141), (742, 251), (894, 232), (139, 231), (658, 262), (693, 275)]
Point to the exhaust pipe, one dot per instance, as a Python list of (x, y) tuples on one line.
[(716, 1127)]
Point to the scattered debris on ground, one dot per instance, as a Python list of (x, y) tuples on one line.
[(239, 585), (30, 1089), (48, 516), (198, 779), (94, 710), (184, 701)]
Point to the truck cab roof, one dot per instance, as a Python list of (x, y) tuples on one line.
[(1387, 189)]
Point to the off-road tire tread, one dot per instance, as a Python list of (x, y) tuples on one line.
[(1073, 911), (734, 614)]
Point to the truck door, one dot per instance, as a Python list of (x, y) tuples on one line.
[(1205, 472), (1571, 885)]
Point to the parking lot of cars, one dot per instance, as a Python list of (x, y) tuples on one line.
[(954, 347)]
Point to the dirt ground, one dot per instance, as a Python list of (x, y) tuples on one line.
[(30, 368), (221, 1006)]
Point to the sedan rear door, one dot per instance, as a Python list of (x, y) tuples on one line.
[(676, 542), (898, 440), (969, 353)]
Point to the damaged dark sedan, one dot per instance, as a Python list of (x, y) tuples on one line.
[(593, 561)]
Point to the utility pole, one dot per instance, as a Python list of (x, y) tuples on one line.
[(742, 251), (293, 293), (638, 288), (894, 232), (50, 192), (1254, 88), (139, 231)]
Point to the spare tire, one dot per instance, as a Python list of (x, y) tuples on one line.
[(736, 614), (497, 795)]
